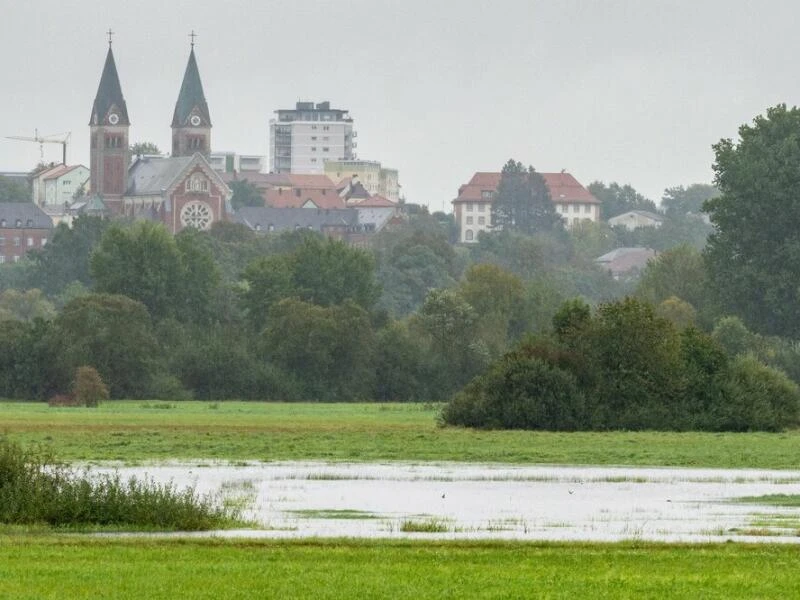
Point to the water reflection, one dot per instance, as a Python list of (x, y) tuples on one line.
[(469, 501)]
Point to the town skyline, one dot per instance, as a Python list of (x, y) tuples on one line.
[(611, 91)]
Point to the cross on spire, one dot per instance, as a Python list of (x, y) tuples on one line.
[(109, 33), (192, 36)]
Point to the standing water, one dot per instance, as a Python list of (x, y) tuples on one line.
[(469, 501)]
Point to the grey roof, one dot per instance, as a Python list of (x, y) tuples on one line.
[(26, 214), (149, 176), (282, 219), (191, 96), (109, 93), (641, 213)]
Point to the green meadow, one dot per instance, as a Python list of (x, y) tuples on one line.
[(50, 566), (136, 431)]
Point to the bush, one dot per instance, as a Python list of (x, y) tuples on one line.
[(36, 489), (756, 397), (88, 388), (519, 392)]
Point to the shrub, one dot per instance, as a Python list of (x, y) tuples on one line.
[(519, 392), (88, 388), (36, 489), (62, 400), (756, 397)]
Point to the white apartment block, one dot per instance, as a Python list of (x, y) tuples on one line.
[(302, 139), (230, 162)]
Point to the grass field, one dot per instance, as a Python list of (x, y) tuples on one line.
[(135, 431), (36, 567)]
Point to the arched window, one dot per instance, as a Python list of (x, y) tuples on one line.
[(468, 235), (197, 183)]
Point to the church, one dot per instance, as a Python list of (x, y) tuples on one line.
[(181, 190)]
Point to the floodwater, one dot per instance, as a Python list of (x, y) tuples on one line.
[(489, 501)]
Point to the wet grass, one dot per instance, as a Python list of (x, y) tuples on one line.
[(787, 500), (426, 525), (133, 431), (35, 489), (36, 566)]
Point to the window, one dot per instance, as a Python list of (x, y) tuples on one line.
[(16, 259), (17, 241), (196, 142), (576, 208), (30, 242), (487, 194), (2, 259), (481, 220), (44, 241), (469, 220), (2, 241), (313, 148), (197, 183), (325, 149), (313, 138), (66, 182), (468, 235), (470, 206), (270, 227), (298, 192), (587, 208), (196, 214), (326, 128), (313, 127), (481, 207)]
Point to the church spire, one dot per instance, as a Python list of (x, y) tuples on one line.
[(109, 96), (191, 99), (191, 123)]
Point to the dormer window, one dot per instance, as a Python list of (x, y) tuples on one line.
[(19, 223), (197, 183), (258, 226), (29, 223), (2, 222)]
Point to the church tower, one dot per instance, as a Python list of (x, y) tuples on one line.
[(191, 123), (109, 127)]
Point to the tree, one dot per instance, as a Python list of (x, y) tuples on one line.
[(113, 334), (65, 258), (25, 306), (173, 276), (680, 201), (617, 199), (142, 148), (327, 348), (245, 194), (522, 202), (12, 190), (678, 272), (753, 254), (328, 272)]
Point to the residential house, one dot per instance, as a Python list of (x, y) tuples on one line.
[(625, 262), (23, 227), (633, 219)]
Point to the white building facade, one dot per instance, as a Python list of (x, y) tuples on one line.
[(303, 138), (473, 206)]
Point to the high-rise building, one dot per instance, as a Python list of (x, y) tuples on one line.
[(303, 138)]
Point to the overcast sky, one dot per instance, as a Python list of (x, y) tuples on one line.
[(627, 91)]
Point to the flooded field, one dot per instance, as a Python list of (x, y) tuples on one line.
[(458, 501)]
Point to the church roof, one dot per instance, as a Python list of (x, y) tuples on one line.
[(191, 96), (109, 93), (150, 176)]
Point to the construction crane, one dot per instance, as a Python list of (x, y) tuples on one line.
[(56, 138)]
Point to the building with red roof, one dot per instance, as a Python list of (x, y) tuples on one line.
[(473, 205)]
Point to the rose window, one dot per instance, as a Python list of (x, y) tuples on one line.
[(196, 214)]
